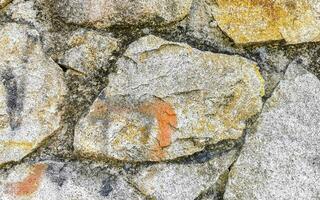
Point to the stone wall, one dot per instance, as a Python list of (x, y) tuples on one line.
[(159, 99)]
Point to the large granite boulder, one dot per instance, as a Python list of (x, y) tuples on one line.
[(169, 100), (281, 160), (32, 91)]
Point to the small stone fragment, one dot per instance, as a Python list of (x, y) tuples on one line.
[(282, 159), (169, 100), (248, 21), (182, 181), (107, 13), (32, 91), (88, 51), (54, 181)]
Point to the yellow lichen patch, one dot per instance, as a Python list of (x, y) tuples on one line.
[(261, 79), (226, 116), (204, 126), (77, 40), (131, 133), (4, 41), (14, 144), (4, 121), (247, 21)]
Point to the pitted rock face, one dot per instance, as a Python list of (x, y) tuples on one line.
[(281, 160), (247, 21), (31, 91), (169, 100), (106, 13), (54, 181)]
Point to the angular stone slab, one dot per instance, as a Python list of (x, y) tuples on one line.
[(88, 51), (169, 100), (248, 21), (54, 181), (32, 90), (282, 159), (106, 13), (182, 181)]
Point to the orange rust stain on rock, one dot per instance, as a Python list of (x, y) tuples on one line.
[(30, 184), (166, 119), (157, 153)]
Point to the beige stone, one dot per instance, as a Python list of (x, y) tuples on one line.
[(106, 13), (32, 91), (169, 100), (88, 51)]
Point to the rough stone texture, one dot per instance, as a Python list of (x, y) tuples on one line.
[(169, 100), (182, 181), (203, 27), (170, 119), (106, 13), (36, 13), (281, 160), (88, 51), (32, 90), (247, 21), (3, 3), (54, 181), (22, 11)]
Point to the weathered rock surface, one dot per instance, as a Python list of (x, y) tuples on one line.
[(54, 181), (169, 100), (203, 27), (106, 13), (31, 92), (281, 160), (33, 13), (3, 3), (88, 51), (171, 119), (20, 10), (247, 21), (182, 181)]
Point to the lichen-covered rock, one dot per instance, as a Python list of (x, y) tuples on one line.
[(3, 3), (106, 13), (169, 100), (247, 21), (88, 51), (182, 181), (54, 181), (32, 90), (203, 27), (282, 159)]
